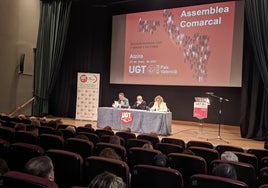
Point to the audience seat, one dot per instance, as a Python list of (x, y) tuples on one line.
[(187, 165), (209, 181), (137, 155), (155, 177), (245, 172), (26, 137), (20, 153), (14, 179), (153, 139), (199, 144), (120, 150), (223, 148), (101, 132), (45, 130), (84, 129), (125, 135), (176, 141), (263, 176), (67, 133), (207, 153), (4, 149), (68, 167), (7, 133), (259, 153), (94, 138), (134, 142), (50, 141), (106, 139), (263, 186), (167, 148), (95, 165), (247, 158), (83, 147)]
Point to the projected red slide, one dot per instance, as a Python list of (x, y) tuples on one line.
[(180, 46)]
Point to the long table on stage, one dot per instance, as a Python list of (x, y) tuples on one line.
[(137, 120)]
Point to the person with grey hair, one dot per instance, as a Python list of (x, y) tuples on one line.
[(229, 156), (224, 170), (41, 166), (107, 180)]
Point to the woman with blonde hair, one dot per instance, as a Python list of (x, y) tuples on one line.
[(159, 104)]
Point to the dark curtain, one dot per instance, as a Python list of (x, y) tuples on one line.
[(255, 79), (53, 27), (87, 50)]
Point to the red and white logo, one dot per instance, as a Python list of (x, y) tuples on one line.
[(83, 78), (126, 117)]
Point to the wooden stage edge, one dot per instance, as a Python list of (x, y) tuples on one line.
[(188, 130)]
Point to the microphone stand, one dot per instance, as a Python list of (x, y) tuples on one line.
[(221, 100)]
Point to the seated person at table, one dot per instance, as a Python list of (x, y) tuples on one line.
[(139, 104), (159, 104), (122, 102)]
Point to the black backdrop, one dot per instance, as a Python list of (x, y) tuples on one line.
[(88, 50)]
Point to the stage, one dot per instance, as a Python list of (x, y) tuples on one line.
[(187, 130)]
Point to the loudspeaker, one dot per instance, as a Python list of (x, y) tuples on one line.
[(21, 65)]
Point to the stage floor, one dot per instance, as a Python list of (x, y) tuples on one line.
[(187, 130)]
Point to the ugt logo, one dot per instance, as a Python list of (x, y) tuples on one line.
[(126, 117)]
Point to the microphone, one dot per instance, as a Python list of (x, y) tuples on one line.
[(209, 93)]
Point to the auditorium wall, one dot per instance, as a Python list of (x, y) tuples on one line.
[(19, 22)]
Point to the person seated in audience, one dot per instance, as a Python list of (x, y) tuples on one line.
[(35, 124), (159, 104), (20, 127), (71, 128), (88, 125), (229, 156), (161, 160), (41, 166), (3, 169), (115, 140), (127, 130), (33, 118), (107, 180), (21, 117), (148, 146), (109, 153), (108, 128), (224, 170), (139, 104)]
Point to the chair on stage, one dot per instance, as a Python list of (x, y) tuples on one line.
[(138, 155), (134, 142), (120, 150), (207, 153), (95, 165), (199, 144), (153, 139), (187, 165), (14, 179), (20, 153), (209, 181), (167, 148), (245, 172), (94, 138), (223, 148), (50, 141), (247, 158), (83, 147), (155, 177), (68, 167), (176, 141)]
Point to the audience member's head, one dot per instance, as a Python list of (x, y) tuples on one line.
[(229, 156), (154, 134), (107, 180), (148, 146), (127, 130), (22, 116), (161, 160), (20, 127), (115, 140), (41, 166), (3, 167), (71, 128), (33, 118), (108, 128), (109, 153), (224, 170)]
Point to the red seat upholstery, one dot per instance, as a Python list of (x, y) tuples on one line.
[(50, 141), (125, 135), (167, 148), (14, 179), (134, 142), (120, 150), (247, 158), (26, 137), (199, 144), (83, 147), (223, 148), (176, 141), (153, 139)]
